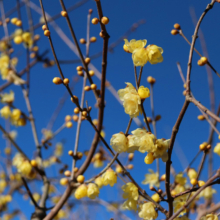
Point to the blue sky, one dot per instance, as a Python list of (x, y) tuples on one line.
[(160, 17)]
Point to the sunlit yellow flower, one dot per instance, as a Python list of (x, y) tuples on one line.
[(210, 217), (134, 44), (140, 57), (178, 203), (131, 100), (81, 191), (180, 179), (61, 215), (27, 38), (143, 92), (161, 149), (98, 163), (16, 114), (207, 193), (7, 97), (109, 177), (154, 54), (130, 191), (119, 142), (58, 150), (147, 211), (14, 78), (217, 149), (3, 185), (155, 197), (149, 159), (3, 45), (152, 179), (130, 204), (4, 62), (5, 112), (92, 191), (192, 174)]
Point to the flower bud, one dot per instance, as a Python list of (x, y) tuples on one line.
[(201, 117), (79, 155), (95, 21), (101, 34), (18, 40), (93, 39), (33, 163), (64, 13), (81, 191), (71, 153), (14, 20), (177, 26), (118, 169), (149, 158), (87, 88), (75, 118), (200, 63), (203, 146), (158, 117), (204, 60), (99, 181), (174, 32), (87, 60), (92, 191), (130, 166), (91, 73), (163, 177), (69, 124), (47, 33), (82, 41), (57, 80), (84, 113), (64, 181), (76, 110), (80, 179), (151, 80), (80, 73), (18, 23), (131, 156), (67, 173), (75, 169), (155, 197), (105, 20), (66, 81), (193, 182), (68, 118), (93, 86), (143, 92)]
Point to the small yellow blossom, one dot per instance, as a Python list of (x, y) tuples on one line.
[(140, 57), (98, 163), (134, 44), (92, 191), (207, 193), (154, 54), (81, 191), (14, 78), (61, 215), (109, 177), (210, 217), (192, 174), (3, 185), (147, 211), (58, 150), (217, 149), (161, 149), (7, 97), (178, 203), (130, 191), (143, 92), (48, 134), (99, 182), (131, 100), (5, 112), (155, 197), (149, 159), (27, 39), (130, 204), (180, 179), (15, 115), (119, 142), (152, 179)]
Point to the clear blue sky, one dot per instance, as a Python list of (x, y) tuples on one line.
[(160, 17)]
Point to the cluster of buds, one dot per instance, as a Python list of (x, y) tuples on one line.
[(176, 30)]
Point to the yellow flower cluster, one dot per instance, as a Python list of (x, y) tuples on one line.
[(152, 179), (91, 191), (131, 100), (23, 37), (147, 211), (23, 166), (4, 199), (210, 217), (15, 116), (131, 194), (141, 55)]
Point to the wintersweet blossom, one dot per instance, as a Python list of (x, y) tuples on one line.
[(147, 211), (109, 177), (161, 149), (119, 142), (14, 78), (130, 191), (5, 112), (143, 92), (134, 44), (99, 182), (217, 149), (7, 97), (140, 57), (152, 179), (210, 217), (154, 54), (192, 174), (131, 100), (178, 203), (3, 185), (92, 191), (207, 193), (130, 204), (180, 179), (81, 191)]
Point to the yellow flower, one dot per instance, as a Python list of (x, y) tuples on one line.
[(178, 203), (61, 215), (143, 92), (92, 191), (207, 193), (161, 149), (154, 54), (133, 44), (48, 134), (14, 78), (119, 142), (4, 62), (109, 177), (152, 179), (99, 182), (192, 174), (81, 191), (15, 115), (3, 185), (58, 150), (149, 159), (7, 97), (5, 112), (98, 163), (180, 179), (155, 197), (27, 39), (131, 100), (36, 197), (130, 191), (210, 217), (217, 149), (147, 211), (130, 204), (140, 57)]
